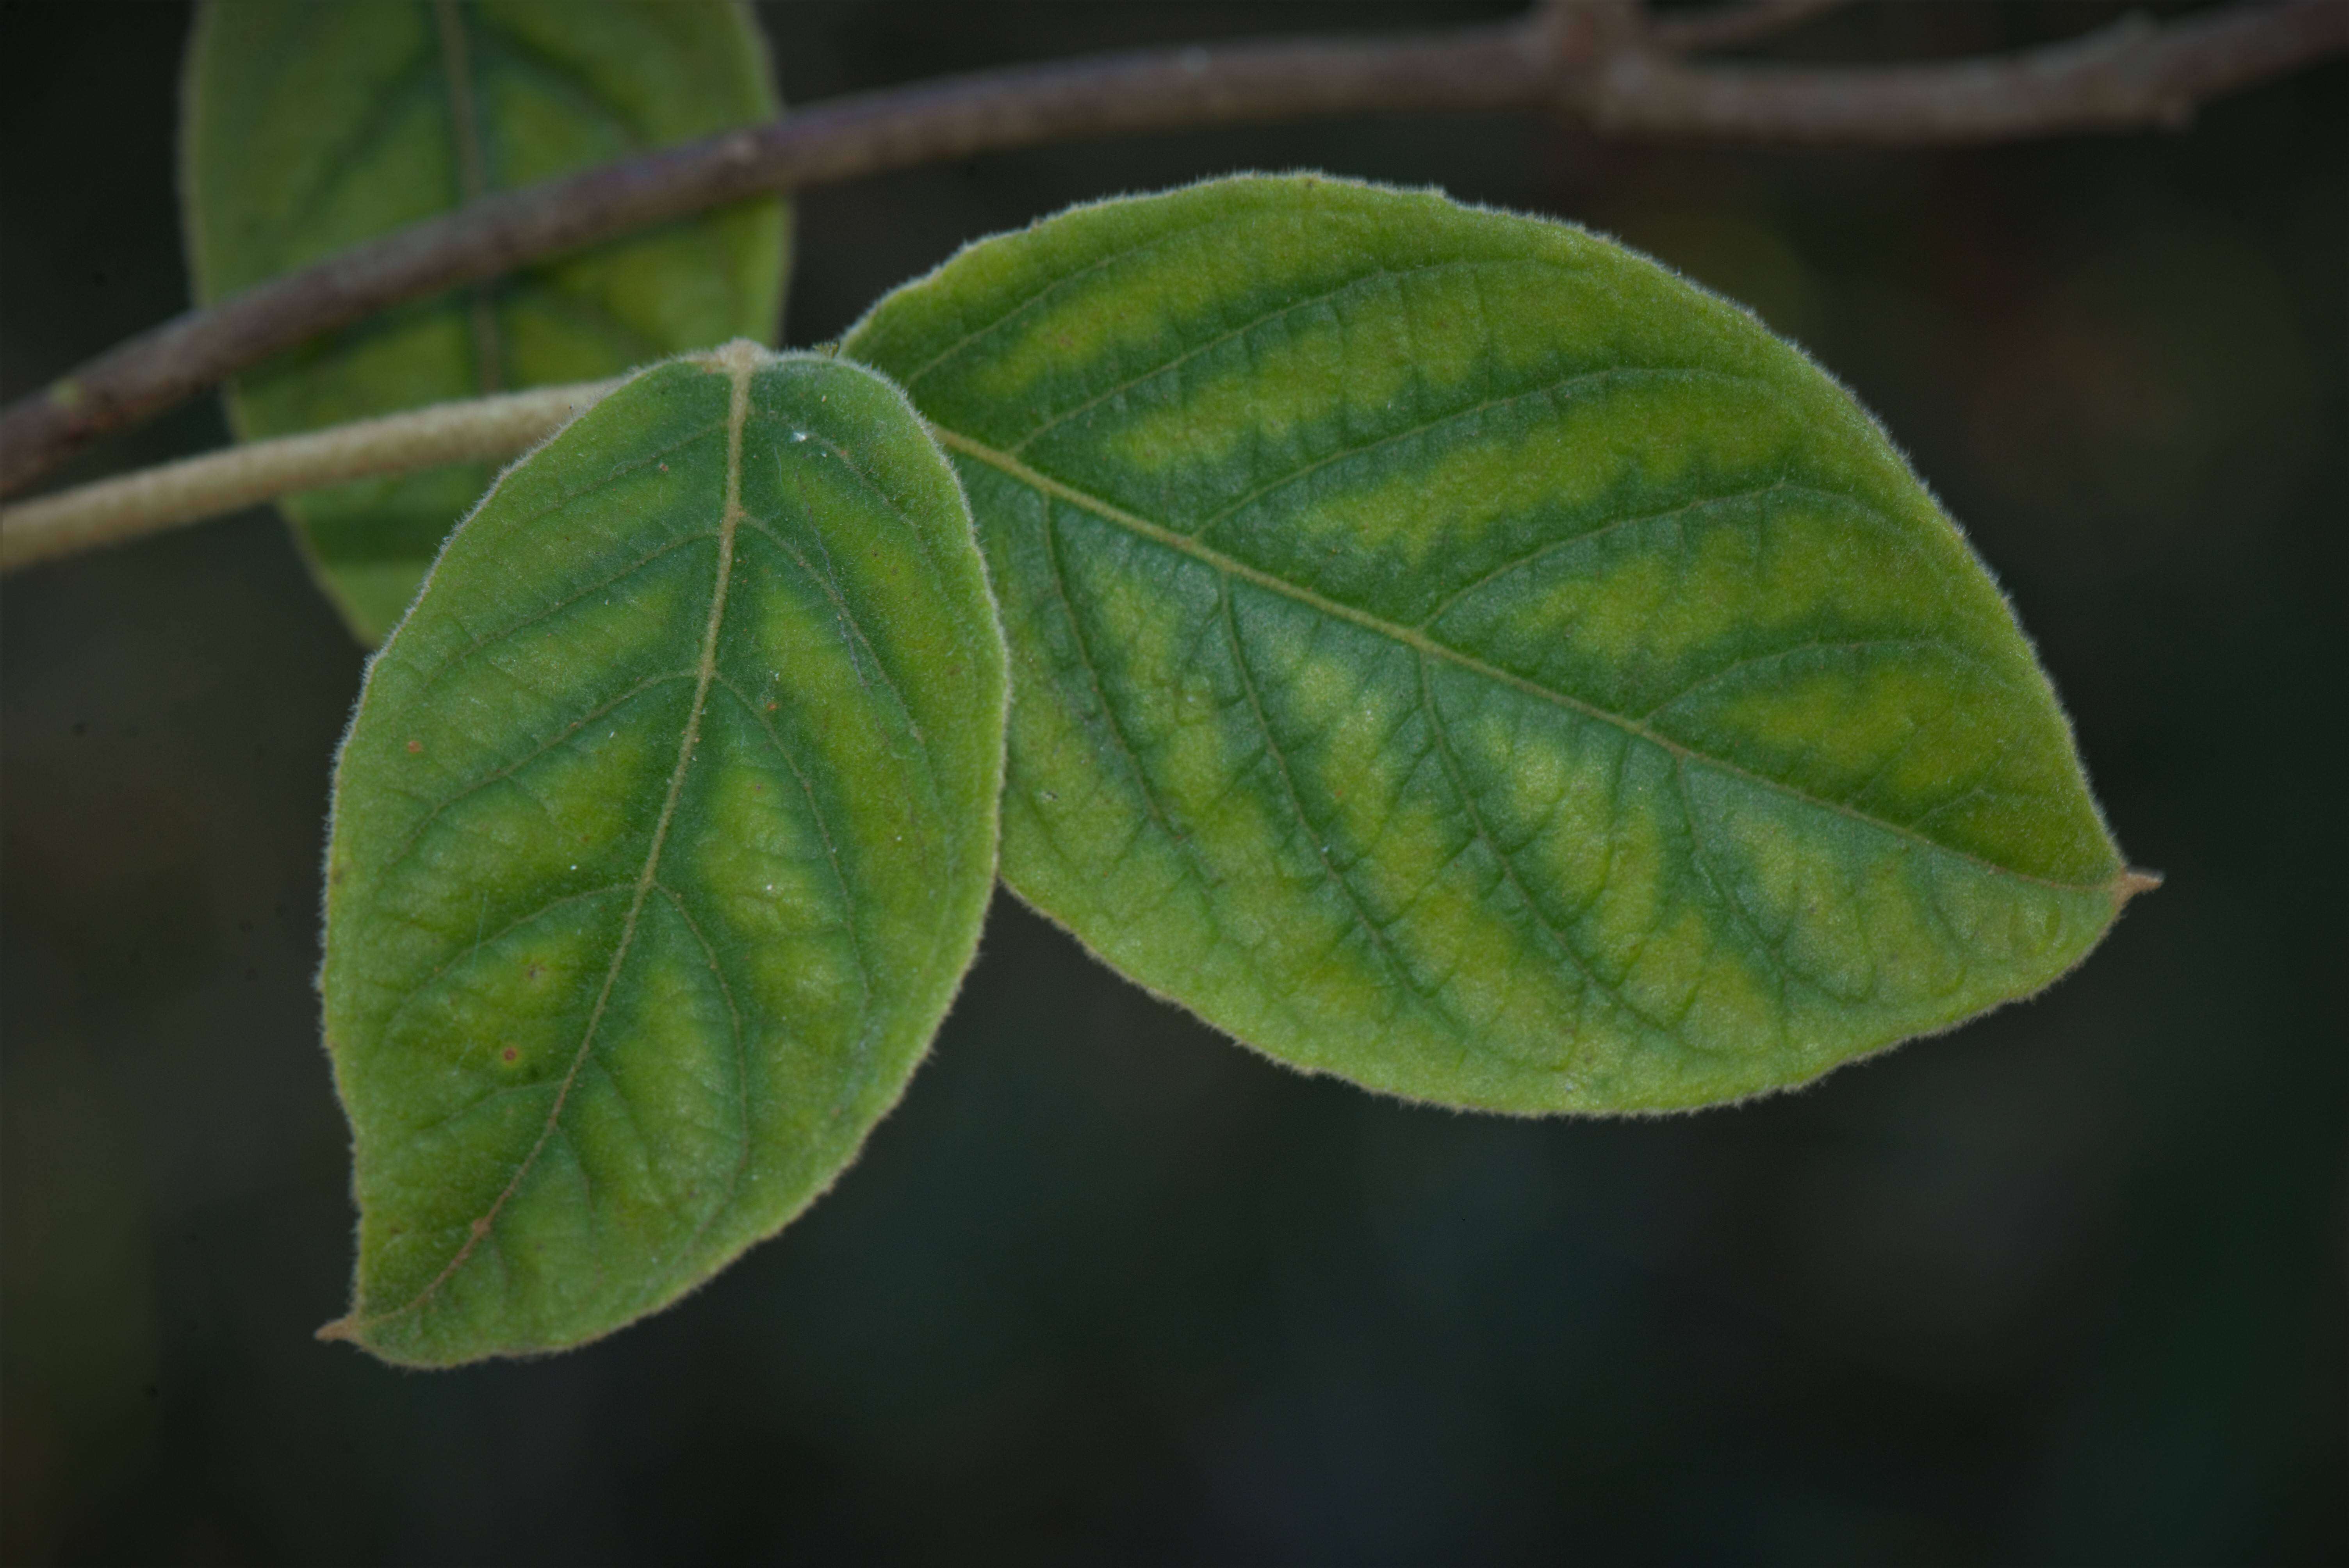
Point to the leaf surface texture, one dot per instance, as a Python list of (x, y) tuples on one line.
[(661, 841), (1453, 653), (311, 128)]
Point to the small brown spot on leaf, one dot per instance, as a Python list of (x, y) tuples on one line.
[(480, 1227), (512, 1054), (416, 745)]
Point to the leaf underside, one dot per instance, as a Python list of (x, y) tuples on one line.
[(311, 128), (661, 841), (1452, 653)]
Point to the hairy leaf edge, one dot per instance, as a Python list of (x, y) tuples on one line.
[(190, 108), (2124, 885)]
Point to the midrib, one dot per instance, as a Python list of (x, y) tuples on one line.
[(738, 367), (1158, 533), (472, 179)]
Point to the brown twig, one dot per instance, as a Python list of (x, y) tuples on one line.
[(1560, 59), (2132, 74), (1734, 27)]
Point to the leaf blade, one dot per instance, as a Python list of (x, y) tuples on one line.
[(1454, 654), (661, 841), (309, 129)]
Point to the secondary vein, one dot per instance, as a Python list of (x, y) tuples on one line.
[(473, 171), (1230, 566), (738, 361)]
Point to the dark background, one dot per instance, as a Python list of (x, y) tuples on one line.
[(2064, 1286)]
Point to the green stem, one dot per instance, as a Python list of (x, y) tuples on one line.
[(111, 510)]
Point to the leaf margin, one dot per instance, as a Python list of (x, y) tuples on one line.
[(2122, 882), (354, 1325)]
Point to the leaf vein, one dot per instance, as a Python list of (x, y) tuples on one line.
[(407, 845), (1062, 280), (741, 1078), (1772, 952), (1374, 275), (1565, 384), (1232, 567), (394, 97), (823, 829), (1561, 943), (854, 636), (1855, 645), (739, 368), (1296, 804), (1549, 547), (425, 987), (1115, 726)]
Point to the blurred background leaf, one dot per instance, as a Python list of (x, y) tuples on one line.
[(2066, 1286), (307, 128)]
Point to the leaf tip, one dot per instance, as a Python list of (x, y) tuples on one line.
[(341, 1329), (2134, 881)]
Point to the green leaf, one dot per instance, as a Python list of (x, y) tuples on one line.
[(1452, 653), (310, 128), (661, 841)]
